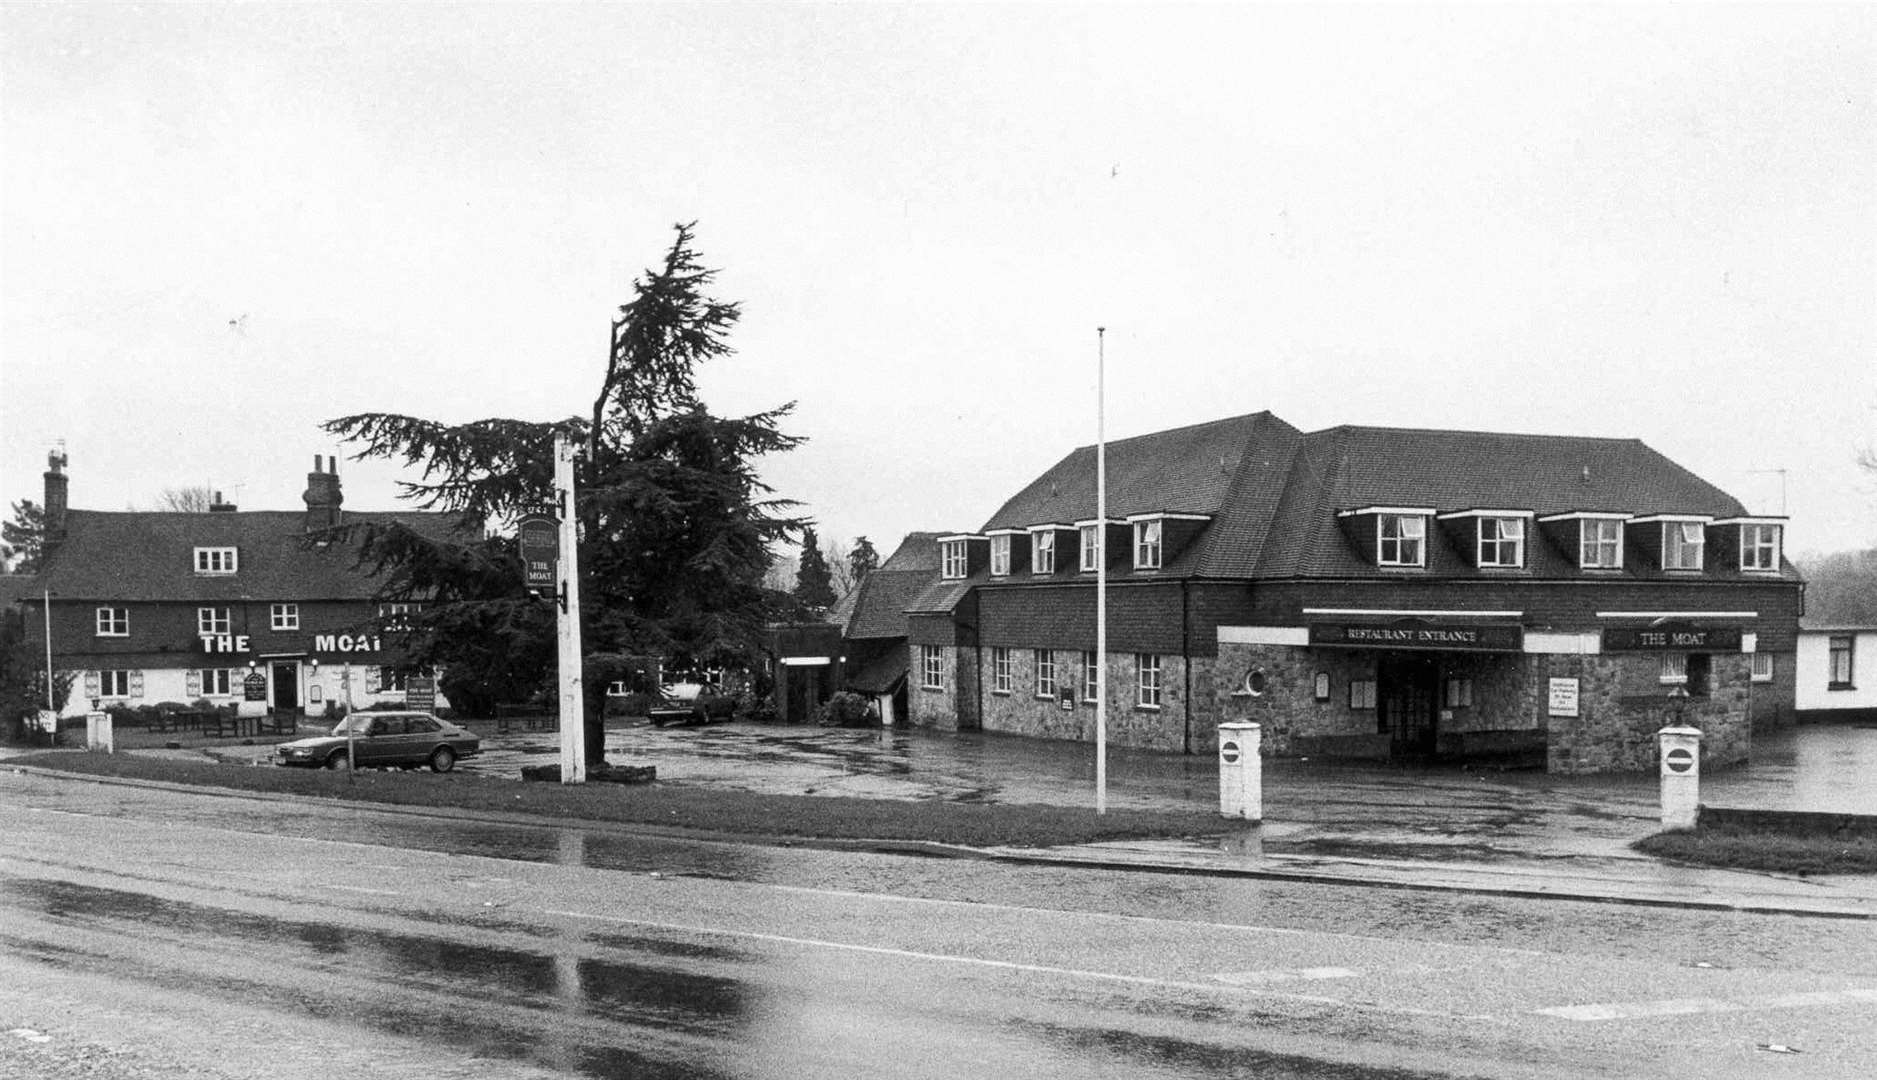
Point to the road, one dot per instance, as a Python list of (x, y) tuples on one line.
[(155, 934)]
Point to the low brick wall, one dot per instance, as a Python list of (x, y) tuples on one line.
[(1793, 822)]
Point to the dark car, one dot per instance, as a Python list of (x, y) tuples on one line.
[(385, 739)]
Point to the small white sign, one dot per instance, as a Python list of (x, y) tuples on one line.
[(1564, 697)]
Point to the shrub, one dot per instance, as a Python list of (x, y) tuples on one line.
[(846, 709)]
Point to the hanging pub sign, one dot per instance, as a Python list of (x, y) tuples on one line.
[(539, 541), (1421, 634), (1671, 637), (254, 687)]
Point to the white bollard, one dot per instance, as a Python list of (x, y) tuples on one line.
[(1681, 776), (98, 734), (1241, 771)]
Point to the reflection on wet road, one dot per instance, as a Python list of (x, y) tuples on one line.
[(444, 948)]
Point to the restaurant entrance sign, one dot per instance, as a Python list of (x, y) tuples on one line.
[(1421, 634)]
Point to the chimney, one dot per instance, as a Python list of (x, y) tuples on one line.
[(56, 498), (322, 494), (220, 507)]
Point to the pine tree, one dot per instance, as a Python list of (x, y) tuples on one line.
[(863, 560), (814, 585), (674, 525)]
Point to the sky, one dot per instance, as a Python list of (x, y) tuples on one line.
[(221, 225)]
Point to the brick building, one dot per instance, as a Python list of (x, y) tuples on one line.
[(1367, 592), (150, 607)]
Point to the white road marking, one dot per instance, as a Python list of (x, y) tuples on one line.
[(1631, 1010), (361, 889), (29, 1035), (1277, 975)]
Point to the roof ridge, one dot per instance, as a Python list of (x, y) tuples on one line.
[(1164, 432), (1491, 434)]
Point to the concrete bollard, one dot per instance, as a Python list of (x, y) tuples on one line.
[(1241, 771), (98, 733), (1681, 776)]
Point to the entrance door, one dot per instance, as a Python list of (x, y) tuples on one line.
[(1407, 701), (286, 685)]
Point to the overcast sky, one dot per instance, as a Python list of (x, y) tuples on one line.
[(221, 225)]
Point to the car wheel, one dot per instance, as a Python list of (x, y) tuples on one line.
[(336, 761), (443, 759)]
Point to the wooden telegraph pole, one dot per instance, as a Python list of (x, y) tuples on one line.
[(573, 721)]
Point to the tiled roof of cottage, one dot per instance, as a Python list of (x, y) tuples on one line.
[(150, 556), (13, 587)]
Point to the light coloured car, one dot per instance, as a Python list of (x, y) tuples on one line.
[(385, 740)]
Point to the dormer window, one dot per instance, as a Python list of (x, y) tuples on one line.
[(1682, 544), (1091, 545), (1043, 551), (1759, 546), (1502, 541), (1401, 540), (1600, 544), (1147, 547), (1000, 555), (952, 559), (215, 560)]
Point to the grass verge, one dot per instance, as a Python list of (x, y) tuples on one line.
[(1734, 847), (711, 809)]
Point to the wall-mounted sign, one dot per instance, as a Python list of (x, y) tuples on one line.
[(254, 687), (1671, 637), (220, 643), (1421, 634), (1562, 700), (538, 538), (347, 643)]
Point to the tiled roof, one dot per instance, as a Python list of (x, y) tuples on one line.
[(146, 556), (884, 597), (13, 587), (918, 551), (1348, 468), (881, 675), (1185, 470)]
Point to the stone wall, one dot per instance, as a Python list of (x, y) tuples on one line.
[(929, 708), (1021, 712), (1622, 704), (1293, 721)]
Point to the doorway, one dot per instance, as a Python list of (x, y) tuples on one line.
[(1407, 703), (286, 681)]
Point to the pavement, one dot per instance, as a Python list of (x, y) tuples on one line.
[(1505, 833)]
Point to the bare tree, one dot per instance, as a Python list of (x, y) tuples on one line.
[(187, 500), (840, 571)]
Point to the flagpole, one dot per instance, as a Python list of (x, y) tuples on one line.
[(1101, 568)]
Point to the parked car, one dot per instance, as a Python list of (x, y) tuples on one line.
[(678, 704), (385, 739)]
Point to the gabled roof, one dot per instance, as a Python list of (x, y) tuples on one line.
[(148, 556), (14, 587), (876, 608)]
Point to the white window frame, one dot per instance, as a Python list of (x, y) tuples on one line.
[(216, 561), (1459, 692), (217, 682), (1402, 537), (1592, 544), (1505, 538), (1148, 544), (1759, 547), (1149, 668), (1841, 662), (953, 560), (1362, 693), (1760, 667), (1091, 676), (1002, 674), (1045, 673), (1677, 547), (113, 622), (109, 680), (214, 620), (1092, 539), (1043, 552), (284, 616), (1000, 555), (931, 668), (1674, 670)]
